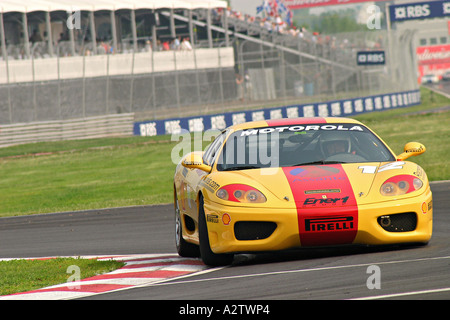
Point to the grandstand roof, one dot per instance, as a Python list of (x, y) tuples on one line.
[(110, 5)]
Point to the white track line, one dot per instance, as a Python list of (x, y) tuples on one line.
[(404, 294), (274, 273)]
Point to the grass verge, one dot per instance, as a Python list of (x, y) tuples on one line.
[(418, 123), (99, 173), (26, 275)]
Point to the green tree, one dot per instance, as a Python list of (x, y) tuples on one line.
[(333, 22)]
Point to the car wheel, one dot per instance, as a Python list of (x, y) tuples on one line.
[(184, 248), (208, 256)]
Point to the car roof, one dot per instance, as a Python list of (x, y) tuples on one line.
[(291, 122)]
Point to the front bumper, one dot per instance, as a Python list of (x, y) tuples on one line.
[(371, 232), (251, 229), (222, 222)]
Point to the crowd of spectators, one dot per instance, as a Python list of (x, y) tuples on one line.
[(281, 25), (176, 43), (273, 24), (276, 23)]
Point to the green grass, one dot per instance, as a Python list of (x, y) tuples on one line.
[(132, 172), (26, 275), (399, 126), (102, 173)]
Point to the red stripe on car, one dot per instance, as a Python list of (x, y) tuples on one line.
[(294, 121), (326, 206)]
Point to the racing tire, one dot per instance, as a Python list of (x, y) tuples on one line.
[(184, 248), (208, 256)]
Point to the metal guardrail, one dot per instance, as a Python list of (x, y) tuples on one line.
[(84, 128)]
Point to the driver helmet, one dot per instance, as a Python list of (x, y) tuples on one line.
[(333, 142)]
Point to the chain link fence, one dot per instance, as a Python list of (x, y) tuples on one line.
[(326, 67)]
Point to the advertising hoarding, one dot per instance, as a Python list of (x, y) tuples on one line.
[(419, 10), (335, 108), (433, 59)]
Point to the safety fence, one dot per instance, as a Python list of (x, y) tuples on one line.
[(84, 128), (148, 83)]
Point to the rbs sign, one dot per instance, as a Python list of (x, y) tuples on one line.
[(421, 10), (370, 57)]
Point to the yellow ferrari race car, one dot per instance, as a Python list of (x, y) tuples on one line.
[(304, 182)]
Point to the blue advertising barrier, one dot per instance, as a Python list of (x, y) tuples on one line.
[(335, 108), (419, 10)]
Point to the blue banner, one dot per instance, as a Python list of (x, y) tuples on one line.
[(336, 108), (419, 10)]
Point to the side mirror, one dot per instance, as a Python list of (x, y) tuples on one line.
[(194, 160), (411, 149)]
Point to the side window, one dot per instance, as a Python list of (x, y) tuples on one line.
[(211, 152)]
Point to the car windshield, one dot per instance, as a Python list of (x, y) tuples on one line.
[(297, 145)]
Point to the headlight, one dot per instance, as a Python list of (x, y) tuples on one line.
[(240, 193), (400, 185)]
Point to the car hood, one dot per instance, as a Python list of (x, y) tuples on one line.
[(333, 185), (316, 185)]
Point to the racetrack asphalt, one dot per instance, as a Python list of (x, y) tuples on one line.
[(406, 272)]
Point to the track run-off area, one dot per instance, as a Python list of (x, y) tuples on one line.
[(145, 235)]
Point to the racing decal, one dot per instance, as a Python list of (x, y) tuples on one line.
[(213, 218), (329, 215), (325, 200), (391, 166), (424, 208), (286, 122), (329, 224), (315, 173), (209, 184), (182, 195), (302, 128), (323, 191), (226, 219), (385, 167), (419, 172), (430, 205)]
